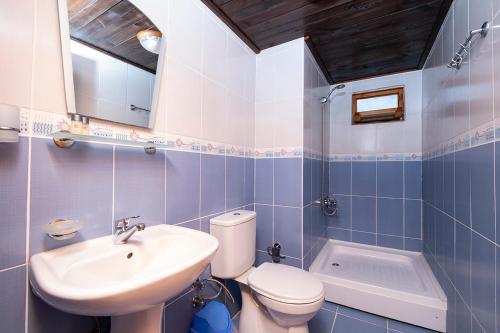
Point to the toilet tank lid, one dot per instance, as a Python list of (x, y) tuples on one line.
[(233, 218)]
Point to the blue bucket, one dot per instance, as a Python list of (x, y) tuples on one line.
[(213, 318)]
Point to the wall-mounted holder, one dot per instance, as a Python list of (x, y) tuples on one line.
[(9, 123), (60, 229), (464, 50), (66, 139)]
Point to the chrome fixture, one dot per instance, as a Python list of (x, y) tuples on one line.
[(123, 231), (275, 253), (136, 108), (10, 123), (325, 99), (464, 50), (329, 205)]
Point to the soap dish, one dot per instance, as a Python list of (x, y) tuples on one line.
[(60, 229)]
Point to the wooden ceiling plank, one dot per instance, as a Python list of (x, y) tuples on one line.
[(435, 30), (229, 22), (318, 59)]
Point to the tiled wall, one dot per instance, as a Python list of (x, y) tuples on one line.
[(316, 131), (461, 169), (370, 140), (375, 170), (379, 203), (288, 152), (97, 184), (207, 95), (278, 139)]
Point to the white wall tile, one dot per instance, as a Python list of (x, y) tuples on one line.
[(16, 35), (496, 64), (185, 33), (264, 125), (214, 50), (184, 87), (393, 137), (47, 61), (214, 112), (288, 123), (265, 73)]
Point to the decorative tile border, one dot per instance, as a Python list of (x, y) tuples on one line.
[(43, 124), (376, 157), (486, 133)]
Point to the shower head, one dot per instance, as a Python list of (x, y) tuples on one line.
[(325, 99)]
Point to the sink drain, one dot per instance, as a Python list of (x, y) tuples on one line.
[(129, 255)]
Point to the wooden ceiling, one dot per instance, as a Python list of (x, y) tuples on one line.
[(351, 39), (111, 26)]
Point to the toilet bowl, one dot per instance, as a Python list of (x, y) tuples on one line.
[(276, 298)]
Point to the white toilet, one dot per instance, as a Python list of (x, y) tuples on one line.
[(276, 298)]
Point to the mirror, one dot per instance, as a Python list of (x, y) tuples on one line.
[(112, 57)]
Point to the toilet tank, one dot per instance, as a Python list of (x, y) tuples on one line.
[(235, 232)]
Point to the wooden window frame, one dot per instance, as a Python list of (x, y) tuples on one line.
[(382, 115)]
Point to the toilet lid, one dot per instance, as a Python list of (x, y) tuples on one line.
[(286, 284)]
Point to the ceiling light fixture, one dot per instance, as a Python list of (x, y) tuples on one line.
[(150, 40)]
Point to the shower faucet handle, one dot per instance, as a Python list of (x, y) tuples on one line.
[(275, 252)]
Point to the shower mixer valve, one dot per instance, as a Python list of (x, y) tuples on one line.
[(275, 252)]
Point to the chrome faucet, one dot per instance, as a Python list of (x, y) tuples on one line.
[(123, 231)]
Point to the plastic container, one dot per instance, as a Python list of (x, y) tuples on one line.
[(213, 318)]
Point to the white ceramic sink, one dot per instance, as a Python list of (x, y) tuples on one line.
[(129, 282)]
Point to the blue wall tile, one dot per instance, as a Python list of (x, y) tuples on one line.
[(183, 186), (178, 315), (497, 191), (413, 218), (482, 190), (13, 193), (413, 179), (463, 317), (483, 281), (316, 179), (390, 179), (264, 226), (307, 182), (80, 183), (339, 234), (412, 244), (342, 219), (364, 237), (60, 322), (364, 214), (213, 192), (235, 182), (462, 261), (249, 181), (136, 194), (390, 216), (449, 185), (12, 301), (364, 178), (288, 230), (264, 180), (390, 241), (287, 182), (462, 186), (340, 178)]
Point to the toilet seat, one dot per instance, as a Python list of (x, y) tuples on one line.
[(286, 285)]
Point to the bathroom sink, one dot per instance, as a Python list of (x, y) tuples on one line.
[(128, 281)]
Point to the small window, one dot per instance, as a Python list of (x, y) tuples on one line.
[(378, 106)]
